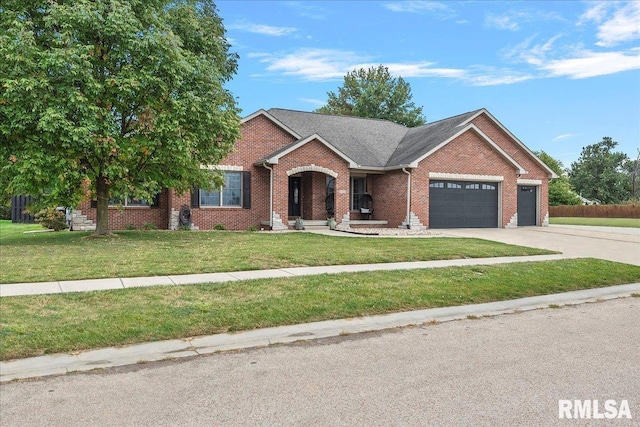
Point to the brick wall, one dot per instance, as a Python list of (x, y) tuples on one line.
[(467, 154), (121, 218), (312, 153), (390, 197), (260, 137), (533, 168)]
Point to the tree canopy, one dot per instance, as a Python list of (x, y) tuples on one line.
[(599, 174), (374, 93), (120, 98), (560, 190)]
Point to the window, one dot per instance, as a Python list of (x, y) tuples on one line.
[(128, 202), (472, 186), (453, 185), (229, 195), (436, 185), (358, 188), (488, 187)]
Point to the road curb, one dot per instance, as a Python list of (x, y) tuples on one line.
[(57, 364)]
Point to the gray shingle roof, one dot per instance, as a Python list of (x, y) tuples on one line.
[(420, 140), (371, 142)]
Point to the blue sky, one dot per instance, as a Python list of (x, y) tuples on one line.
[(558, 74)]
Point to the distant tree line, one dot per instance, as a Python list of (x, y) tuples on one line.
[(600, 175)]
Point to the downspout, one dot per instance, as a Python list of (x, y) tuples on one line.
[(270, 194), (408, 196)]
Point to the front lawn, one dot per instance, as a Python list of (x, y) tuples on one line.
[(603, 222), (37, 257), (35, 325)]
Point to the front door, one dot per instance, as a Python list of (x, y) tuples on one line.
[(295, 195)]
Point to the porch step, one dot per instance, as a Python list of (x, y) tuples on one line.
[(79, 222), (310, 223)]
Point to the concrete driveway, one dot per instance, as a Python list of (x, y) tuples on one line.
[(610, 243)]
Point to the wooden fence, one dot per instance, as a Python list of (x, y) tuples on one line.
[(18, 205), (596, 211)]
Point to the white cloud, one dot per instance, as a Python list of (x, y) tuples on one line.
[(496, 77), (592, 64), (512, 20), (624, 26), (313, 64), (502, 22), (331, 64), (564, 136), (533, 55), (307, 9), (597, 12), (422, 7), (266, 30), (422, 69)]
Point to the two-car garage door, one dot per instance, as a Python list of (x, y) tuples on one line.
[(459, 204)]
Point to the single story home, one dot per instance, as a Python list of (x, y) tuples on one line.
[(464, 171)]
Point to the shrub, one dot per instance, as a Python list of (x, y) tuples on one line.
[(219, 227), (252, 228), (51, 218), (130, 227), (150, 226), (5, 212)]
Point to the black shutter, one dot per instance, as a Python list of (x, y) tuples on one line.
[(246, 190), (195, 197)]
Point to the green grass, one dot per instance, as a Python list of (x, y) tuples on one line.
[(35, 325), (35, 257), (603, 222)]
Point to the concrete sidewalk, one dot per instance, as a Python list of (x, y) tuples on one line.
[(178, 348), (42, 288)]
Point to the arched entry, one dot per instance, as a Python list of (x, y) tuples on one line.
[(310, 191)]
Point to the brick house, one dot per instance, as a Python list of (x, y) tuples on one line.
[(463, 171)]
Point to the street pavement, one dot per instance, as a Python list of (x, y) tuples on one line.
[(492, 371), (510, 371)]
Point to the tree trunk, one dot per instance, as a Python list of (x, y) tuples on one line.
[(102, 207)]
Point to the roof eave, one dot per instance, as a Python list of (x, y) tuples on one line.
[(277, 122), (273, 160), (517, 166), (552, 174)]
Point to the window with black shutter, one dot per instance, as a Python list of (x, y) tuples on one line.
[(246, 190)]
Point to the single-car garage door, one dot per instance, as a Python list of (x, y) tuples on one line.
[(458, 204), (527, 201)]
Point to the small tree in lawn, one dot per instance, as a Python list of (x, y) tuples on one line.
[(598, 173), (560, 190), (374, 93), (122, 98)]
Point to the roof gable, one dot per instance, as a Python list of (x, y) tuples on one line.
[(484, 111), (380, 144), (367, 142), (273, 158)]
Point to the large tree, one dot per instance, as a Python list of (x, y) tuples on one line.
[(598, 173), (374, 93), (112, 98), (632, 168), (560, 190)]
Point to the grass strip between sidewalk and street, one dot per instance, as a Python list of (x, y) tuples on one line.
[(42, 257), (36, 325), (601, 222)]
